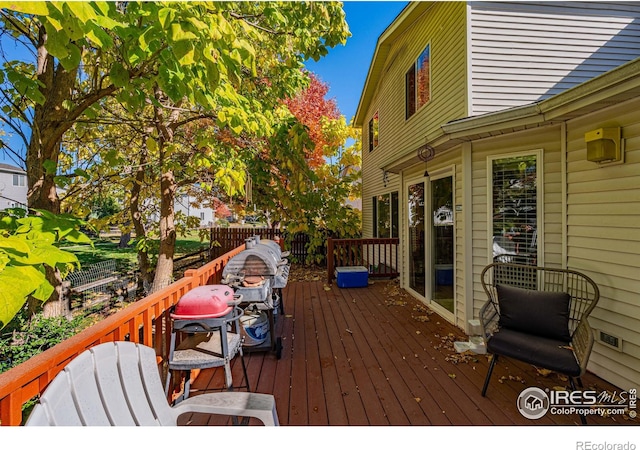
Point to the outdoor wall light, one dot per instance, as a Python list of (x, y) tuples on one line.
[(385, 177), (603, 145)]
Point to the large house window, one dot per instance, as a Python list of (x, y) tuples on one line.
[(385, 215), (418, 83), (373, 132), (515, 208), (19, 180)]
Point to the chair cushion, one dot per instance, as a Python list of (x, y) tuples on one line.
[(540, 313), (540, 351)]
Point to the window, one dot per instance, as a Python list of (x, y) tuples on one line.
[(19, 180), (418, 83), (385, 215), (373, 132), (515, 209)]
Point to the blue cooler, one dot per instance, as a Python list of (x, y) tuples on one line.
[(352, 276)]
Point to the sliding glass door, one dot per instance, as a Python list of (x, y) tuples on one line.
[(416, 237), (442, 248)]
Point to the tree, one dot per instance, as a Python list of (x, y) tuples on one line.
[(29, 245), (306, 174), (313, 110), (229, 61)]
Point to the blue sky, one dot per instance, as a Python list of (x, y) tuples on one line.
[(345, 68)]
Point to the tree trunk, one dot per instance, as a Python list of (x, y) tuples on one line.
[(164, 268), (124, 240), (144, 263), (168, 186), (57, 305), (50, 121)]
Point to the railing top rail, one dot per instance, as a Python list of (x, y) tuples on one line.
[(42, 368), (367, 241)]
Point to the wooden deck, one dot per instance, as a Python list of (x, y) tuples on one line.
[(376, 356)]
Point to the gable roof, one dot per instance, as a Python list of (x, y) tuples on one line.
[(400, 24), (11, 169)]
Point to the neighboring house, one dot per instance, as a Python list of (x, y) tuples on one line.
[(476, 118), (13, 187), (185, 205)]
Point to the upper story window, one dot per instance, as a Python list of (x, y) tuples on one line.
[(19, 180), (418, 83), (373, 132)]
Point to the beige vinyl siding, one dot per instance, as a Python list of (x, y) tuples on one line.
[(550, 237), (443, 27), (522, 52), (603, 208)]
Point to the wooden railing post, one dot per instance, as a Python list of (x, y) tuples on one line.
[(330, 260)]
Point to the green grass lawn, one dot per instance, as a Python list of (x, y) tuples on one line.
[(106, 248)]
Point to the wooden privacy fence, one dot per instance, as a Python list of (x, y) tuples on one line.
[(230, 238), (379, 256), (144, 321)]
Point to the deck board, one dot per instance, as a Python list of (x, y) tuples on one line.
[(376, 356)]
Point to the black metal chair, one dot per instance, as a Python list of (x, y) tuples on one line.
[(538, 315)]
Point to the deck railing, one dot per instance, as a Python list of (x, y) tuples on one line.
[(378, 255), (144, 321)]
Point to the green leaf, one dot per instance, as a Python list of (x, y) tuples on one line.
[(119, 75), (82, 173), (82, 10), (73, 58), (14, 290), (166, 17), (44, 291), (35, 8), (177, 32), (184, 52), (14, 245), (78, 237), (49, 167)]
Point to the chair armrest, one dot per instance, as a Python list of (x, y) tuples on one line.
[(245, 404), (582, 343), (489, 317)]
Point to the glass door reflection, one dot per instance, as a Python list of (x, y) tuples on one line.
[(416, 250), (443, 244)]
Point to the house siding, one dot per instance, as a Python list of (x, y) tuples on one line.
[(603, 210), (525, 52), (443, 27), (546, 139), (12, 196)]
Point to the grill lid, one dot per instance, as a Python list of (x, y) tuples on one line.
[(205, 302), (257, 261)]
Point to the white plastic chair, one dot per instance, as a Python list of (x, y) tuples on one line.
[(118, 383)]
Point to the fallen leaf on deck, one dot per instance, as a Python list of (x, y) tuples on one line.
[(452, 375), (418, 399)]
